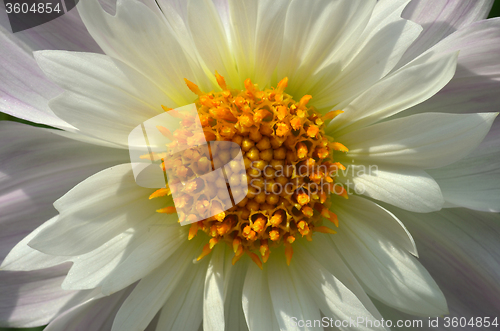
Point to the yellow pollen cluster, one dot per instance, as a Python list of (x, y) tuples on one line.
[(289, 169)]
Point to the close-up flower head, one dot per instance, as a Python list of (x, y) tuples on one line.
[(250, 165)]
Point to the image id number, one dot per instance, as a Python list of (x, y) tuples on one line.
[(35, 8)]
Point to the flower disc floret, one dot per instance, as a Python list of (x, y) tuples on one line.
[(289, 169)]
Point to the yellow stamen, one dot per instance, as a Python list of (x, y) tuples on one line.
[(274, 235), (333, 218), (332, 114), (255, 259), (193, 229), (206, 250), (339, 147), (166, 210), (324, 229), (221, 81), (213, 242), (165, 108), (160, 193), (283, 84), (236, 244), (193, 87), (302, 150), (304, 100), (238, 254)]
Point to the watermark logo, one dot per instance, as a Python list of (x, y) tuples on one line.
[(26, 14), (171, 150)]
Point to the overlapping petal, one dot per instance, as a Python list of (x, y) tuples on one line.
[(104, 98), (384, 267), (459, 247), (473, 182), (441, 18), (132, 36), (429, 140)]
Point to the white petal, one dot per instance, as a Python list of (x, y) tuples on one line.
[(423, 141), (211, 40), (234, 279), (24, 258), (413, 190), (104, 97), (388, 272), (33, 298), (325, 252), (184, 309), (139, 37), (256, 50), (410, 85), (150, 252), (474, 88), (153, 290), (375, 221), (95, 211), (213, 295), (333, 298), (24, 89), (441, 18), (89, 269), (315, 32), (96, 314), (290, 298), (379, 48), (257, 305), (32, 161), (460, 248), (474, 182)]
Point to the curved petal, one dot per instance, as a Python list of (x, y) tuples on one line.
[(24, 258), (24, 89), (291, 300), (256, 50), (103, 97), (212, 40), (151, 250), (213, 295), (95, 211), (30, 163), (152, 291), (33, 298), (325, 252), (460, 248), (474, 182), (424, 141), (257, 304), (413, 190), (440, 18), (375, 221), (377, 50), (184, 309), (234, 280), (386, 270), (315, 32), (476, 83), (96, 314), (140, 38), (410, 85), (332, 297)]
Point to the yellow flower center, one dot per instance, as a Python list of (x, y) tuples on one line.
[(289, 167)]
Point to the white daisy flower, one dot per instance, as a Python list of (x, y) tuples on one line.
[(368, 117)]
